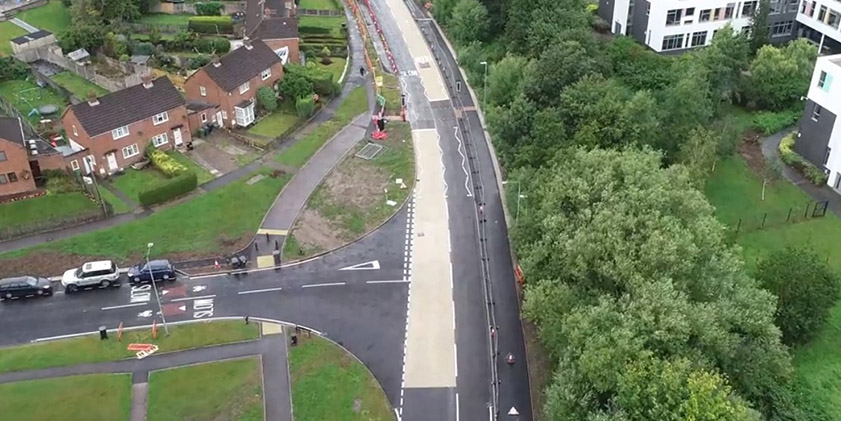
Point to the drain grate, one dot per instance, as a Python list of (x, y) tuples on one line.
[(369, 151)]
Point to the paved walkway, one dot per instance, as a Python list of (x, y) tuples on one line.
[(770, 149), (24, 25), (270, 347)]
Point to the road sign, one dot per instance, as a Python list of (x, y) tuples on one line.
[(380, 100), (372, 265), (140, 347)]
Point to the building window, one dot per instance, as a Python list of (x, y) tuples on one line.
[(203, 117), (74, 165), (130, 151), (837, 180), (2, 156), (3, 179), (243, 88), (648, 9), (826, 157), (75, 133), (810, 8), (699, 38), (690, 11), (822, 79), (13, 178), (224, 114), (202, 91), (672, 42), (816, 113), (704, 16), (160, 118), (119, 132), (160, 139), (833, 19), (792, 7), (747, 8), (781, 29), (774, 7), (266, 74), (673, 17), (822, 13), (728, 11)]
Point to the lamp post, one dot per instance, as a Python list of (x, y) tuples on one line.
[(154, 287), (519, 196), (485, 87)]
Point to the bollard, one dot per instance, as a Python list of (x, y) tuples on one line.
[(103, 333), (276, 247), (294, 339), (267, 237), (246, 319)]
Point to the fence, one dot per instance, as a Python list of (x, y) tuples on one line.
[(87, 72), (145, 28), (780, 217), (190, 8)]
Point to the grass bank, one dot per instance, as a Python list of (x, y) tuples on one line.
[(74, 398), (44, 209)]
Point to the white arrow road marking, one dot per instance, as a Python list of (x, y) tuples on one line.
[(165, 292), (147, 313), (513, 411), (183, 308), (372, 265), (199, 288)]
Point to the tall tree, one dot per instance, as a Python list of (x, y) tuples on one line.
[(698, 154), (759, 31), (469, 21), (724, 60), (780, 76), (506, 79), (687, 105), (533, 25), (561, 65)]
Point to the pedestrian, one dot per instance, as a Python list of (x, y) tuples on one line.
[(362, 71)]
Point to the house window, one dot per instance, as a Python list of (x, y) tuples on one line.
[(826, 157), (699, 38), (160, 139), (673, 17), (704, 16), (243, 88), (822, 79), (672, 42), (822, 13), (75, 133), (816, 113), (160, 118), (833, 19), (202, 91), (728, 11), (2, 156), (3, 179), (224, 114), (203, 117), (13, 178), (781, 29), (747, 8), (690, 11), (119, 132), (74, 165), (130, 151), (265, 75)]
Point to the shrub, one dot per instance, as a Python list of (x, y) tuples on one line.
[(11, 68), (211, 45), (181, 184), (198, 61), (61, 182), (163, 162), (296, 83), (791, 158), (325, 56), (312, 30), (211, 24), (212, 8), (769, 122), (599, 25), (267, 98), (221, 45), (183, 40), (305, 106), (593, 8), (143, 49), (786, 153)]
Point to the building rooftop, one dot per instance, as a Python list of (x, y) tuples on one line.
[(241, 65), (11, 130), (32, 36)]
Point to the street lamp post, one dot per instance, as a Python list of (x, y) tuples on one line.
[(485, 88), (154, 287), (519, 196)]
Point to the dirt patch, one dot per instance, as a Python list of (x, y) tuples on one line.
[(357, 184), (313, 231), (752, 154)]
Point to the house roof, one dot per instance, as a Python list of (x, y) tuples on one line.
[(258, 10), (241, 65), (126, 106), (276, 28), (196, 106), (10, 130), (32, 36)]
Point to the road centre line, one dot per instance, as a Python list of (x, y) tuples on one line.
[(193, 298), (324, 285), (396, 281), (254, 291), (124, 306)]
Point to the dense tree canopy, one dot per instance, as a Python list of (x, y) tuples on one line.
[(780, 76)]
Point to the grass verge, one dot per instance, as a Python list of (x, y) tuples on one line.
[(52, 16), (300, 152), (44, 208), (202, 396), (74, 398), (320, 4), (77, 85), (116, 203), (328, 383), (90, 349)]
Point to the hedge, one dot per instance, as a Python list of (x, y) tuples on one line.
[(165, 163), (181, 184), (770, 122), (791, 158), (210, 24), (313, 30)]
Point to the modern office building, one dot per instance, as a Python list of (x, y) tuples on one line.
[(680, 25), (819, 21), (819, 137)]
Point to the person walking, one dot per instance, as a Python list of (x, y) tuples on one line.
[(362, 71)]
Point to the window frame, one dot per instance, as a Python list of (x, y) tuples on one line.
[(75, 132), (670, 39), (12, 176), (265, 74), (155, 139), (822, 79), (673, 17), (160, 118), (3, 179), (816, 112), (74, 165), (115, 133), (3, 156), (748, 8), (244, 87), (134, 147), (202, 91), (701, 17), (203, 117), (696, 35)]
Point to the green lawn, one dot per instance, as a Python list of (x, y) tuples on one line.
[(44, 208), (132, 181), (336, 67), (199, 393), (275, 124), (53, 16), (165, 19), (299, 153), (9, 31), (203, 175), (333, 23), (25, 95), (118, 205), (78, 85), (391, 91), (206, 224), (90, 349), (320, 4), (329, 384), (74, 398)]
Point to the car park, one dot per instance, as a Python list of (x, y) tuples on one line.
[(24, 286), (161, 270), (102, 273)]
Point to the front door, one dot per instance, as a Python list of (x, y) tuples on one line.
[(112, 162), (176, 135), (219, 119)]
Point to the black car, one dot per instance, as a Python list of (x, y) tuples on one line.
[(24, 286), (162, 270)]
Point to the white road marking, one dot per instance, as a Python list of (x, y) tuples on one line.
[(333, 284), (124, 306), (463, 162), (254, 291), (396, 281), (199, 288), (193, 298), (372, 265)]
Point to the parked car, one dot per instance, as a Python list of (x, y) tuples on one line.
[(143, 272), (103, 273), (24, 286)]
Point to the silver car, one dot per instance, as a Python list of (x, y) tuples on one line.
[(103, 273)]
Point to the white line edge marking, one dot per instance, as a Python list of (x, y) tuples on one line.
[(456, 406), (125, 306), (396, 281), (332, 284), (254, 291), (193, 298)]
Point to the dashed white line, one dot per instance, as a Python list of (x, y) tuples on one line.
[(254, 291), (193, 298), (124, 306), (332, 284), (396, 281)]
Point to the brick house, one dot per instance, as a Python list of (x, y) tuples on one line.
[(274, 22), (231, 82), (15, 173), (117, 127)]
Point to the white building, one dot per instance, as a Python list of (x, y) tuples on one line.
[(819, 138), (819, 21)]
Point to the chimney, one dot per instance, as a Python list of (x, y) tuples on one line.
[(215, 60), (247, 43), (147, 81), (92, 100)]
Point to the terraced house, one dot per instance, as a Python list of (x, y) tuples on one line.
[(116, 128)]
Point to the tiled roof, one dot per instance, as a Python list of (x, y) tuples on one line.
[(10, 130), (23, 39), (241, 65), (127, 106), (277, 28)]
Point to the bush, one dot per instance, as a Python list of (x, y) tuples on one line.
[(198, 61), (143, 49), (296, 82), (769, 122), (181, 184), (62, 182), (305, 106), (211, 45), (212, 8), (13, 69), (221, 45), (593, 8), (211, 24), (163, 162), (267, 98), (183, 40), (312, 30), (599, 25), (791, 158)]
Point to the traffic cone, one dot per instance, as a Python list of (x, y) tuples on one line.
[(216, 264)]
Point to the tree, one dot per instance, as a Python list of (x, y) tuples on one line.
[(88, 37), (534, 25), (561, 65), (688, 106), (637, 66), (469, 21), (770, 172), (267, 98), (759, 33), (506, 79), (806, 289), (780, 76), (724, 61), (698, 154), (295, 83)]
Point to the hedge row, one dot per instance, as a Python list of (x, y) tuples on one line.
[(181, 184), (211, 24), (813, 173)]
